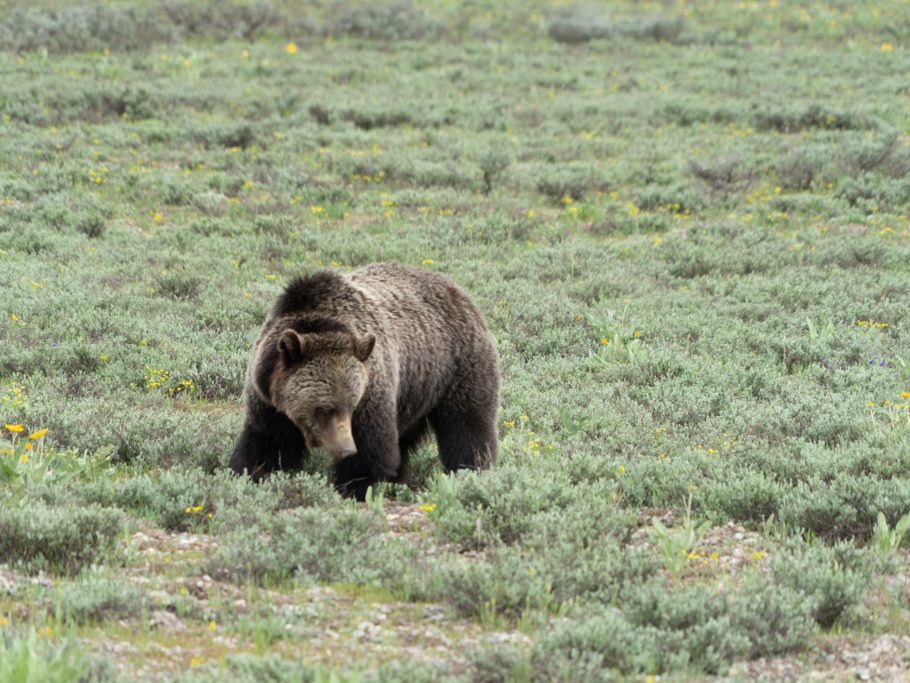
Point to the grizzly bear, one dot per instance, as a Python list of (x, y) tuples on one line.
[(363, 365)]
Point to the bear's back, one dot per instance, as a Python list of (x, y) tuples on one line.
[(415, 294), (428, 325)]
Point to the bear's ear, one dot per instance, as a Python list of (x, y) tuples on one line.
[(290, 347), (363, 346)]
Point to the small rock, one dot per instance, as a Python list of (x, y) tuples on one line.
[(43, 581), (167, 620)]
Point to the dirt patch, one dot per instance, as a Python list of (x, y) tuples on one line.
[(837, 658)]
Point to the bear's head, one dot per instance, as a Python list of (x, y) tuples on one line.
[(317, 380)]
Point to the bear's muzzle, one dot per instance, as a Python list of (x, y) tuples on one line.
[(337, 439)]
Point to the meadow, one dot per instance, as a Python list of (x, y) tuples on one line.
[(686, 224)]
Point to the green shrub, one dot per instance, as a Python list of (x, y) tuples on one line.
[(72, 29), (834, 579), (247, 668), (508, 583), (392, 21), (543, 576), (344, 544), (165, 496), (656, 631), (798, 168), (578, 26), (61, 539), (95, 597), (492, 164), (82, 28), (571, 182), (30, 657), (788, 120), (499, 663), (276, 669), (723, 176)]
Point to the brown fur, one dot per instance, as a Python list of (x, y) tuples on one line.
[(388, 349)]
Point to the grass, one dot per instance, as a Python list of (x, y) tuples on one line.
[(686, 225)]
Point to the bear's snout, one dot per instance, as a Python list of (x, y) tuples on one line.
[(348, 451), (338, 440)]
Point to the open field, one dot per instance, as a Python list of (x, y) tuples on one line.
[(687, 226)]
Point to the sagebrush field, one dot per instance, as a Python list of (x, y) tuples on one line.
[(686, 224)]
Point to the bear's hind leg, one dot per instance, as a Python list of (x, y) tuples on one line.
[(466, 437)]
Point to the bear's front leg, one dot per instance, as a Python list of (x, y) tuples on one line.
[(269, 441), (378, 458)]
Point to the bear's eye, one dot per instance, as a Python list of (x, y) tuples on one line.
[(324, 414)]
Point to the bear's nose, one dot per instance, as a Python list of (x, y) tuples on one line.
[(347, 451)]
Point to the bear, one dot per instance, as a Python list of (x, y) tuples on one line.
[(364, 365)]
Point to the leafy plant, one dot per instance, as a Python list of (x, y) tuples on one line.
[(618, 342), (822, 331), (676, 545), (886, 540), (33, 656), (28, 464)]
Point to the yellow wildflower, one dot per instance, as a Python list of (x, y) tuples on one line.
[(291, 48), (28, 446), (14, 428), (38, 434), (428, 508), (23, 457), (886, 47), (212, 626), (905, 394)]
